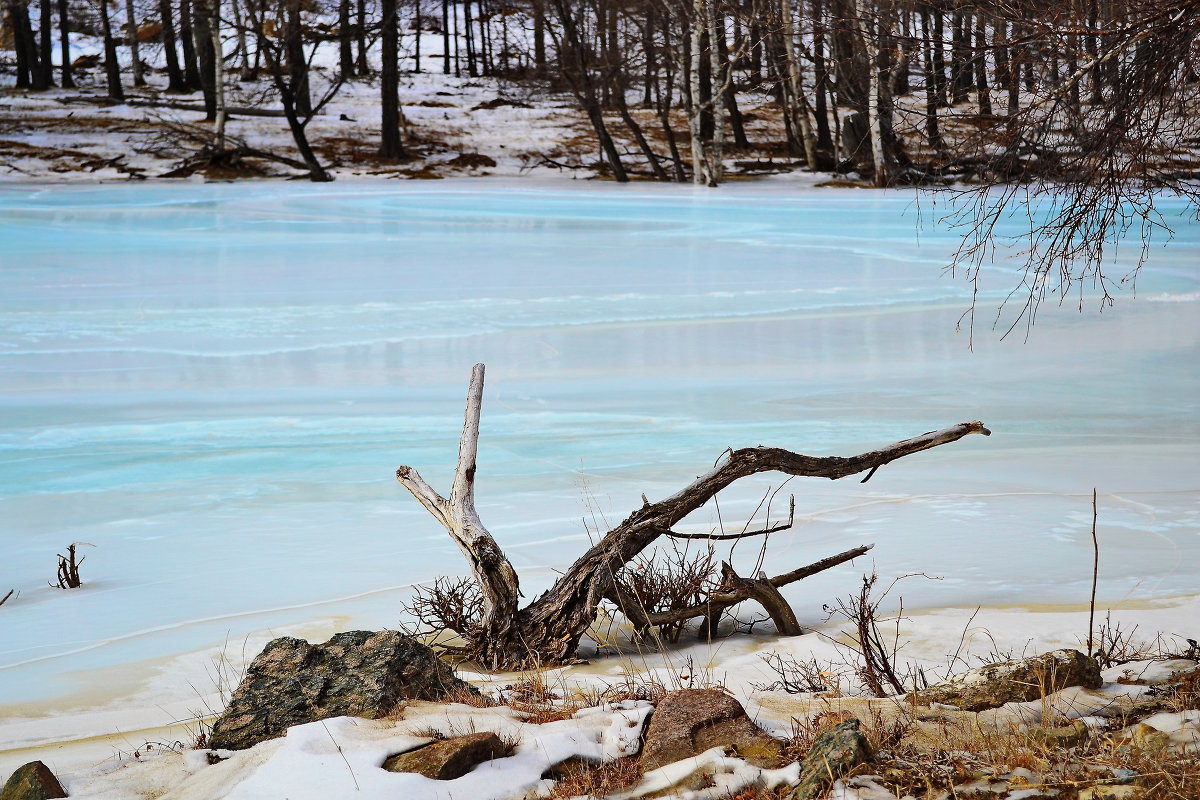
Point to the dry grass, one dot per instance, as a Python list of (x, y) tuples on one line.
[(576, 777)]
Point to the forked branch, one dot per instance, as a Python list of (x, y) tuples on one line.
[(490, 566)]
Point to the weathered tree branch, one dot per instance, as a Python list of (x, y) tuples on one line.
[(490, 566), (548, 630)]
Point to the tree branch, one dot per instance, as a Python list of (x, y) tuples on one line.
[(719, 601), (491, 568)]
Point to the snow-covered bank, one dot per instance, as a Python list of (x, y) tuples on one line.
[(96, 747)]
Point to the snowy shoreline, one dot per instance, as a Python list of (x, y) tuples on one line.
[(80, 738), (165, 695)]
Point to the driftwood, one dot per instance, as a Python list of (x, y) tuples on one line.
[(548, 630), (736, 589)]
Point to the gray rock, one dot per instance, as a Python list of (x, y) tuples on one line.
[(834, 753), (1013, 681), (32, 781), (688, 722), (1112, 793), (356, 673), (450, 758), (1073, 735)]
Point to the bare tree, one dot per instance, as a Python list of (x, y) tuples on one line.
[(548, 630), (1087, 179), (112, 67), (290, 67), (135, 56)]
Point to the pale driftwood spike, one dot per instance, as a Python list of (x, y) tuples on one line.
[(434, 503), (463, 491), (491, 568)]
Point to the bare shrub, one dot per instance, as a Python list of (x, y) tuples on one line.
[(672, 581), (876, 665), (449, 606), (797, 676), (68, 568), (576, 777), (1115, 646)]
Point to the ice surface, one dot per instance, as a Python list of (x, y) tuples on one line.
[(213, 384)]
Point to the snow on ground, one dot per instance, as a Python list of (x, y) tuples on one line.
[(60, 135), (341, 757), (95, 763)]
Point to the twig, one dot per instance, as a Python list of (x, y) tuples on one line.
[(1095, 573), (729, 598), (719, 537), (353, 777)]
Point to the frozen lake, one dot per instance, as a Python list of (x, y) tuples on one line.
[(213, 384)]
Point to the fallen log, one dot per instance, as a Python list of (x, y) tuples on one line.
[(174, 105)]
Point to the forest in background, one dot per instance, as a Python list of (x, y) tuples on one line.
[(897, 91)]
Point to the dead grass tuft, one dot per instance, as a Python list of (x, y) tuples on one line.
[(576, 777)]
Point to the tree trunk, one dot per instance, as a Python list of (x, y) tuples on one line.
[(391, 145), (664, 102), (417, 35), (548, 630), (982, 89), (112, 67), (575, 66), (939, 56), (960, 58), (243, 50), (345, 39), (798, 103), (721, 81), (205, 54), (45, 77), (871, 27), (469, 39), (23, 43), (539, 38), (933, 133), (176, 82), (297, 64), (139, 79), (361, 65), (446, 37), (64, 30), (214, 28), (191, 70), (821, 81)]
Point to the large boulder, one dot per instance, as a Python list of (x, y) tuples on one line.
[(688, 722), (32, 781), (450, 758), (356, 674), (1019, 681), (834, 753)]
